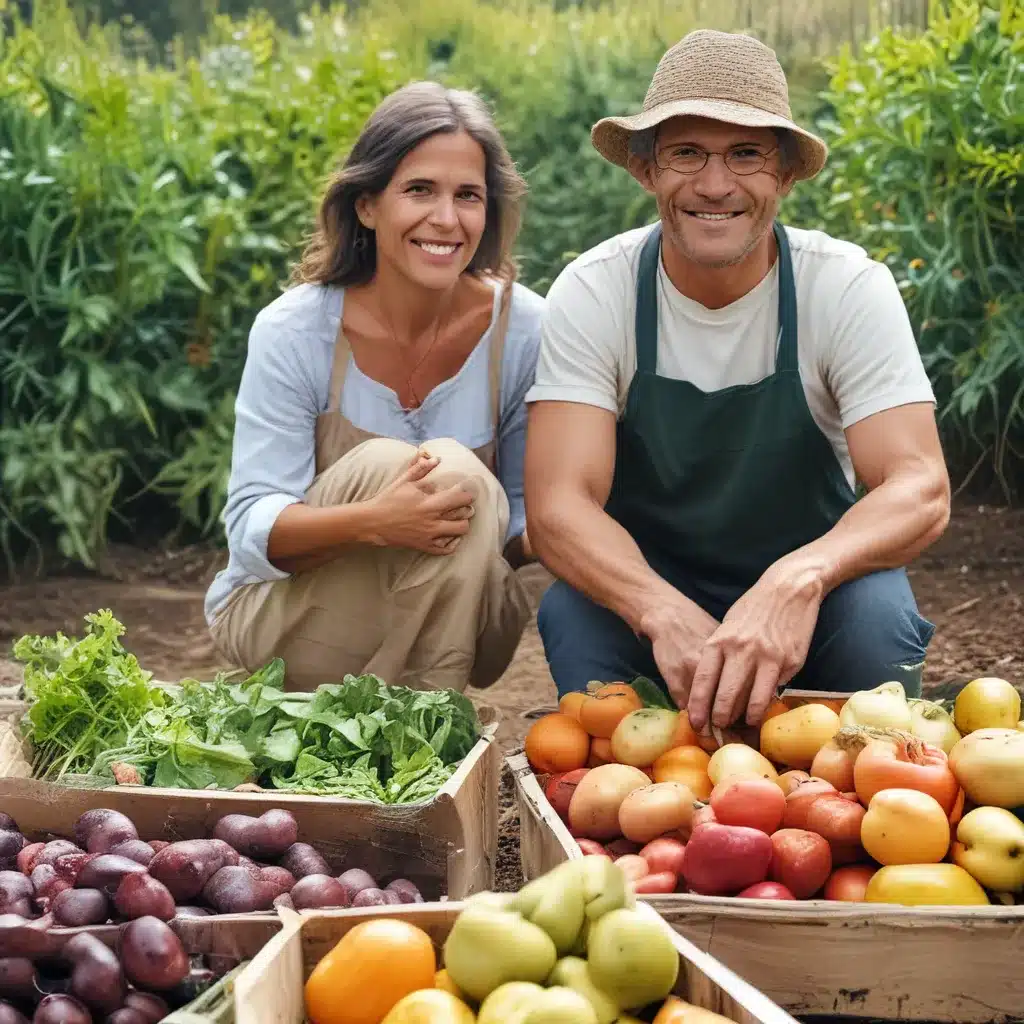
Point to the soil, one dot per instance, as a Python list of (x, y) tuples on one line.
[(970, 584)]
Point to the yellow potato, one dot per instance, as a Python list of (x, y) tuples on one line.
[(794, 737)]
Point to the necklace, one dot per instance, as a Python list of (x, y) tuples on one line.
[(441, 322)]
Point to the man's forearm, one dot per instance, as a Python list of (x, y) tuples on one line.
[(886, 529), (580, 543)]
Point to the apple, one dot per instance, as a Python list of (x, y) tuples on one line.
[(990, 846), (801, 861), (767, 891), (721, 860)]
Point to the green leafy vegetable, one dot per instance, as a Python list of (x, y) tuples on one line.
[(93, 711), (651, 694)]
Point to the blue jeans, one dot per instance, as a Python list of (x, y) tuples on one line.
[(869, 631)]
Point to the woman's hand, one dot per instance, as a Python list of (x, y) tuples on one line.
[(412, 513)]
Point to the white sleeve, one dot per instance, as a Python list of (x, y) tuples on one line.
[(872, 358), (582, 338)]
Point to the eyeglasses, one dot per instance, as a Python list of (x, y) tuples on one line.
[(742, 160)]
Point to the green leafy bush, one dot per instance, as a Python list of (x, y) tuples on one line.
[(927, 172)]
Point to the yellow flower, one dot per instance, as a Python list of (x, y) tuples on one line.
[(916, 263)]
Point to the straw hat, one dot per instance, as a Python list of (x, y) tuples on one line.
[(720, 75)]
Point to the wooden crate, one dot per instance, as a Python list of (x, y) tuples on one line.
[(447, 846), (270, 989), (885, 962)]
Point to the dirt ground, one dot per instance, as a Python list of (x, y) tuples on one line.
[(970, 584)]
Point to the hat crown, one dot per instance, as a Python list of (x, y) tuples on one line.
[(710, 65)]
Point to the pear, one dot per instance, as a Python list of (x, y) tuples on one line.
[(486, 898), (632, 957), (605, 886), (509, 1003), (554, 902), (559, 1005), (572, 972), (488, 947)]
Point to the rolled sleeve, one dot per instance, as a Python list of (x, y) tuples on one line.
[(273, 458)]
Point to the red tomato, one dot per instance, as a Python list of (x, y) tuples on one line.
[(664, 854)]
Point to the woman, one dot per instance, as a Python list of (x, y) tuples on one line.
[(375, 507)]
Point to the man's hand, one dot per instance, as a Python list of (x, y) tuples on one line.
[(761, 644), (678, 634)]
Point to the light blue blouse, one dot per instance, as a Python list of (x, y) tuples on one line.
[(284, 388)]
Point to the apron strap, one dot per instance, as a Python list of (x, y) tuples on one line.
[(339, 367), (647, 303), (787, 358), (495, 358)]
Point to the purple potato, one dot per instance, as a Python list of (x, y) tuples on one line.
[(152, 955), (408, 892), (11, 1015), (355, 880), (77, 908), (319, 891), (55, 849), (143, 896), (61, 1009), (187, 866), (17, 979), (134, 849), (11, 844), (269, 835), (370, 898), (101, 828), (152, 1007), (301, 860), (97, 978), (232, 890), (106, 871)]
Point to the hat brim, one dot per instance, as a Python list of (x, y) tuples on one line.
[(610, 135)]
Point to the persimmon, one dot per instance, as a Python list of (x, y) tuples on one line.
[(602, 710), (688, 765), (571, 703), (356, 982), (557, 743), (600, 752), (905, 763)]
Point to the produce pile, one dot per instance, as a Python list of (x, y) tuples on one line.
[(876, 798), (108, 874), (93, 712), (570, 947), (48, 979)]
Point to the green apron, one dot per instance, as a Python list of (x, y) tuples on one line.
[(722, 484)]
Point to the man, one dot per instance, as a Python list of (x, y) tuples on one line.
[(709, 393)]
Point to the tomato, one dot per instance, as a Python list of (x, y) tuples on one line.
[(571, 703), (664, 854), (602, 711), (905, 826), (557, 743), (925, 885), (356, 982), (906, 763), (850, 883), (688, 765), (756, 803)]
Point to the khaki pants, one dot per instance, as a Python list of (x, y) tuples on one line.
[(414, 619)]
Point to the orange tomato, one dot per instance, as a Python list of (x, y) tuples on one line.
[(906, 763), (684, 736), (557, 743), (571, 703), (788, 781), (688, 765), (849, 884), (356, 982), (600, 753), (905, 826), (602, 711), (677, 1011)]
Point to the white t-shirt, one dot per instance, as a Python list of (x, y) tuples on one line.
[(857, 351)]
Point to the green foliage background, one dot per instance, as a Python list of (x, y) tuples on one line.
[(152, 199)]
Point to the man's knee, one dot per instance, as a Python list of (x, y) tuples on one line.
[(870, 632)]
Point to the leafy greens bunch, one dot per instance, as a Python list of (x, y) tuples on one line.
[(94, 713)]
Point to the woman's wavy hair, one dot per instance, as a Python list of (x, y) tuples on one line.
[(341, 251)]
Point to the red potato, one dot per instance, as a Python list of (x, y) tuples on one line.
[(77, 908), (766, 891), (801, 861), (97, 978), (592, 848), (319, 891), (269, 835), (622, 847), (633, 866), (14, 886), (98, 830), (26, 859), (664, 854), (141, 895), (105, 873), (7, 823), (47, 883), (158, 844), (70, 865), (301, 859), (849, 884), (370, 898), (18, 979), (61, 1009), (279, 879), (721, 860), (134, 849), (704, 814), (11, 844), (54, 850), (232, 890), (355, 880), (152, 1008), (755, 803), (185, 867), (406, 890), (152, 955), (126, 1015), (657, 882), (560, 789)]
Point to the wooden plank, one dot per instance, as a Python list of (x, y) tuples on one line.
[(447, 846), (269, 990)]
